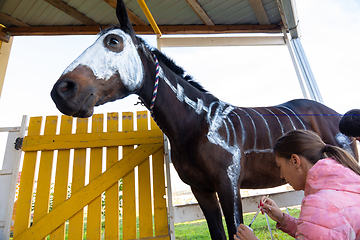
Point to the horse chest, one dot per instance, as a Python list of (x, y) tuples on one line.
[(203, 166)]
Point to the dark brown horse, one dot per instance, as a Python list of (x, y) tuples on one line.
[(216, 148)]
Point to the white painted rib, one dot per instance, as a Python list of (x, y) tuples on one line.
[(242, 129), (277, 118), (295, 116), (252, 121), (292, 123), (266, 124)]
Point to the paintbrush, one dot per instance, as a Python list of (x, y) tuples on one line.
[(257, 212)]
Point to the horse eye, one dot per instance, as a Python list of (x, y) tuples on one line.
[(113, 41)]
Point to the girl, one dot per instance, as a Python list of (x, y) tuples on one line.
[(330, 178)]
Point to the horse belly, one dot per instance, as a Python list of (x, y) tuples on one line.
[(196, 171), (259, 170)]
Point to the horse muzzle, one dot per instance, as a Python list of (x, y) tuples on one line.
[(73, 100)]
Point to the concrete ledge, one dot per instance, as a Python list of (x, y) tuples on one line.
[(191, 212)]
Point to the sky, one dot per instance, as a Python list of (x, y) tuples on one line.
[(242, 76)]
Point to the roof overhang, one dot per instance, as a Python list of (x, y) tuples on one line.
[(76, 17)]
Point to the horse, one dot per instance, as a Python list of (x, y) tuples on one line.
[(216, 148)]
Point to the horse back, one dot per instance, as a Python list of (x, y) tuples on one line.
[(324, 121), (316, 117), (260, 127)]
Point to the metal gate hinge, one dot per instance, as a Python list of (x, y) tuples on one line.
[(18, 143)]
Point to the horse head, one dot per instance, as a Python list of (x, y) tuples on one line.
[(108, 70)]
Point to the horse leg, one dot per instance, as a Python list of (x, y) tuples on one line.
[(230, 201), (209, 205)]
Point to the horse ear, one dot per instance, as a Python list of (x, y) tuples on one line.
[(123, 18)]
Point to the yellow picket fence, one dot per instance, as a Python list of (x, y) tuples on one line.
[(66, 149)]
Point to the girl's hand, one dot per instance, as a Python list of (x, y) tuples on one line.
[(272, 210), (244, 233)]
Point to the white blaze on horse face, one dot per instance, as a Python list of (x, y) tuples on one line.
[(105, 63)]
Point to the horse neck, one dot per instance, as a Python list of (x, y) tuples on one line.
[(178, 104)]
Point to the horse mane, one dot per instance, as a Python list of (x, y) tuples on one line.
[(173, 66)]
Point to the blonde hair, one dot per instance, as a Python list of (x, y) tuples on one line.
[(309, 145)]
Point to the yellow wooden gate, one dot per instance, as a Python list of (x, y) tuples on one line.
[(80, 216)]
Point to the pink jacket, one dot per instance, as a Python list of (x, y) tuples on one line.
[(331, 207)]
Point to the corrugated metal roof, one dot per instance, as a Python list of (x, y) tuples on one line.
[(38, 16)]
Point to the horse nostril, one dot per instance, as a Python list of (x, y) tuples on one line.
[(64, 89), (67, 88)]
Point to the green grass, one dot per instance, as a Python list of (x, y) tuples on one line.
[(198, 229)]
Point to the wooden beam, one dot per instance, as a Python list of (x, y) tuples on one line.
[(133, 18), (187, 29), (4, 37), (215, 29), (221, 41), (62, 6), (14, 21), (4, 59), (200, 12), (54, 30), (259, 11)]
